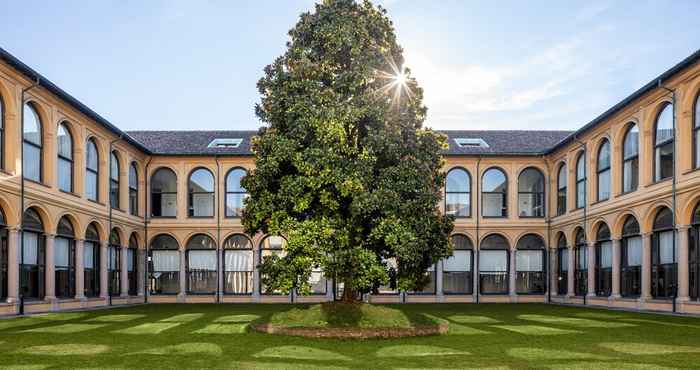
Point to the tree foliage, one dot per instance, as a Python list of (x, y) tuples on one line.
[(344, 169)]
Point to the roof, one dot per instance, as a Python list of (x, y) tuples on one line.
[(192, 142), (499, 142), (505, 142)]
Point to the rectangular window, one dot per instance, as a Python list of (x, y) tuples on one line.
[(165, 272), (630, 175), (631, 269), (529, 266), (201, 271), (457, 273), (457, 204), (604, 185), (65, 175), (663, 162), (32, 162), (494, 204), (581, 194), (133, 202), (493, 271), (238, 271), (563, 271), (164, 204), (91, 185)]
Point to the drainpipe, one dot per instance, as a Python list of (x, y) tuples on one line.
[(218, 231), (585, 207), (111, 206), (477, 214), (21, 197), (673, 187), (548, 219), (145, 231)]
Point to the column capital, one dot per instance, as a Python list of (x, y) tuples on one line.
[(683, 227)]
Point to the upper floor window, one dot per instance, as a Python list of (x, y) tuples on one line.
[(458, 193), (630, 159), (562, 179), (201, 194), (164, 193), (92, 170), (663, 143), (494, 193), (114, 180), (531, 193), (33, 144), (696, 131), (581, 180), (604, 171), (133, 190), (235, 193), (2, 133), (64, 165)]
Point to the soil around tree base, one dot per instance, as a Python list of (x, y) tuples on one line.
[(353, 332)]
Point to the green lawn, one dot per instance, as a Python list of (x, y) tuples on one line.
[(481, 336)]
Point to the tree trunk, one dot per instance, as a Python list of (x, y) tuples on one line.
[(349, 294)]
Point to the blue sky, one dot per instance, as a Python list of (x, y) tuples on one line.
[(484, 65)]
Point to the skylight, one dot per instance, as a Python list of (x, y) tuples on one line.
[(225, 143), (471, 143)]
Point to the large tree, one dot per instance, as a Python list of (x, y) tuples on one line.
[(344, 169)]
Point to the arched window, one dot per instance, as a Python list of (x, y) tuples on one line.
[(238, 265), (581, 264), (92, 170), (2, 138), (694, 255), (91, 261), (64, 259), (603, 262), (663, 143), (562, 266), (33, 256), (562, 179), (696, 133), (133, 190), (457, 276), (664, 256), (529, 265), (164, 193), (64, 163), (458, 193), (494, 265), (235, 193), (132, 265), (3, 255), (630, 259), (494, 193), (630, 159), (531, 193), (114, 263), (114, 180), (271, 247), (201, 193), (164, 265), (581, 180), (201, 265), (32, 163), (603, 171)]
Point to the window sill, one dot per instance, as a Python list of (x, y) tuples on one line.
[(237, 294), (531, 217), (96, 202), (69, 193), (457, 294), (692, 170), (200, 217), (38, 183), (233, 217), (628, 192), (659, 182), (494, 217), (597, 202), (164, 217), (5, 172)]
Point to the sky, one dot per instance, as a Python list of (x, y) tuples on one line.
[(186, 65)]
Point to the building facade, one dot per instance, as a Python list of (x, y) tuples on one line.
[(606, 215)]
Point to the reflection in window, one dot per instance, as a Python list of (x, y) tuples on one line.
[(531, 193), (581, 181), (201, 194), (493, 265), (64, 259), (494, 193), (164, 193), (133, 190), (630, 159), (457, 193), (664, 256), (91, 262), (235, 193), (132, 265), (631, 259), (113, 180), (114, 264), (529, 265), (64, 164), (32, 144), (603, 262), (3, 255), (604, 171), (457, 277), (164, 265), (33, 256), (561, 190), (663, 144), (92, 170)]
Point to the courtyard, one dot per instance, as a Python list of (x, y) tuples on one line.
[(515, 336)]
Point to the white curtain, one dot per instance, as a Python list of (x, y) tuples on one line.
[(528, 260), (493, 260), (634, 251), (129, 260), (202, 260), (238, 260), (89, 255), (460, 260), (166, 260), (30, 248), (666, 254), (61, 252), (606, 254)]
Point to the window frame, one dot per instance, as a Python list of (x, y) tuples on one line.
[(40, 146), (470, 285), (657, 146), (4, 247), (152, 280), (134, 191), (605, 144), (2, 133), (603, 275), (260, 261), (506, 273), (694, 256), (153, 192), (580, 274), (250, 274), (542, 196), (562, 268), (543, 272), (96, 244), (504, 193), (696, 131), (40, 267), (670, 290), (581, 181), (114, 275), (625, 268), (191, 193), (60, 157), (133, 276), (228, 191), (71, 261), (92, 140), (562, 194), (628, 159), (468, 192)]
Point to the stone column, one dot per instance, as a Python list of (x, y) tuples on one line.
[(438, 281), (124, 274), (141, 271), (256, 274), (183, 277), (616, 256), (512, 275), (646, 267), (50, 275), (104, 277), (683, 273), (13, 266), (591, 269), (570, 272), (79, 270)]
